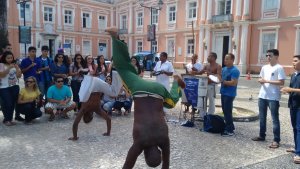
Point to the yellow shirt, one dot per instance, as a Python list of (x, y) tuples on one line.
[(29, 95)]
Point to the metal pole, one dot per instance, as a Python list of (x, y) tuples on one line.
[(151, 27), (24, 7)]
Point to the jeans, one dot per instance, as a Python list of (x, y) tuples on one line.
[(126, 104), (107, 106), (227, 106), (9, 98), (29, 110), (43, 86), (295, 119), (273, 105)]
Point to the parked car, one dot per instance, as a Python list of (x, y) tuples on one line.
[(150, 59)]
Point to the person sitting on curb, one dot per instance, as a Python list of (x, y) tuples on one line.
[(107, 103), (294, 105), (123, 101), (59, 97)]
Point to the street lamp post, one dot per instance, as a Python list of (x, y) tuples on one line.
[(159, 7), (23, 4)]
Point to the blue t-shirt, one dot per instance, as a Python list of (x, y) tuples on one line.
[(59, 93), (227, 75), (32, 71), (45, 74)]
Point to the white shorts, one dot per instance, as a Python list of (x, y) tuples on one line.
[(58, 106)]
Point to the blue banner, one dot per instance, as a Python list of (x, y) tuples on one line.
[(191, 90)]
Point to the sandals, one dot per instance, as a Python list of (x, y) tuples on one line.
[(258, 139), (296, 159), (290, 150), (274, 145)]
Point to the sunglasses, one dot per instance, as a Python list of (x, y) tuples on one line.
[(59, 81), (29, 81)]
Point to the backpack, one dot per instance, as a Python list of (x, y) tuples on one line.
[(213, 123)]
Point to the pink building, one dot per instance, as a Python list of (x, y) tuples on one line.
[(246, 28)]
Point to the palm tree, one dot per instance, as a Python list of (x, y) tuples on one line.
[(3, 23)]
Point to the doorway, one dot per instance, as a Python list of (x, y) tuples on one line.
[(221, 47), (51, 48)]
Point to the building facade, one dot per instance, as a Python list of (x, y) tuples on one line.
[(245, 28)]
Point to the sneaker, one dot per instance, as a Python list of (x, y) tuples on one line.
[(296, 159), (227, 134), (19, 118)]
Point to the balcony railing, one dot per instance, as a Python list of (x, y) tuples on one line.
[(222, 18), (123, 31)]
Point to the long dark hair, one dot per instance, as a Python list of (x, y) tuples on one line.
[(99, 64), (83, 63), (137, 64), (4, 55)]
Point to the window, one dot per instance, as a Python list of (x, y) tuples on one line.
[(171, 47), (68, 17), (48, 14), (190, 46), (102, 22), (154, 16), (154, 46), (86, 20), (139, 46), (27, 12), (140, 19), (86, 48), (172, 14), (192, 10), (123, 24), (224, 7), (268, 42), (270, 4)]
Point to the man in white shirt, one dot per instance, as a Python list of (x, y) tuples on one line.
[(194, 67), (163, 69), (272, 76)]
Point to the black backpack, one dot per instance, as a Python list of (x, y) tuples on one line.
[(213, 123)]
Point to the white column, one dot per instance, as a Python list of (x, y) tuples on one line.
[(236, 36), (112, 24), (297, 41), (243, 51), (37, 13), (203, 10), (299, 7), (207, 38), (201, 37), (130, 19), (209, 11), (117, 17), (246, 8), (238, 8), (130, 41), (59, 16)]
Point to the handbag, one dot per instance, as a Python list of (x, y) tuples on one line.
[(213, 123)]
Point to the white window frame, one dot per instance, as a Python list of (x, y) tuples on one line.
[(72, 17), (87, 24), (265, 3), (139, 19), (272, 12), (89, 49), (168, 40), (28, 11), (155, 14), (154, 46), (53, 14), (220, 11), (139, 47), (190, 48), (193, 9), (72, 51), (173, 12), (123, 23), (104, 22), (263, 31)]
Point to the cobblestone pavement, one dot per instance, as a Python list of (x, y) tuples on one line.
[(44, 144)]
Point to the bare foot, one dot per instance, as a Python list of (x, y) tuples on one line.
[(106, 134), (73, 138)]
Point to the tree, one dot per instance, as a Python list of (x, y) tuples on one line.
[(3, 23)]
